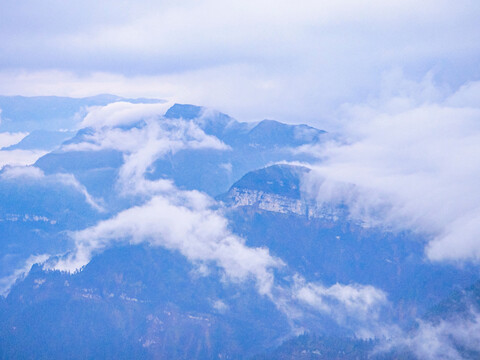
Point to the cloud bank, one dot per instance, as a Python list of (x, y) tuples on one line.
[(16, 157), (182, 222), (7, 282), (18, 173), (292, 62), (188, 221), (143, 135), (455, 338), (7, 138), (19, 157), (410, 161), (185, 221)]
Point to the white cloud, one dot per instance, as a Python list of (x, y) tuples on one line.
[(442, 339), (70, 180), (19, 157), (184, 221), (8, 281), (410, 163), (179, 221), (32, 172), (293, 62), (122, 113), (356, 299), (227, 167), (354, 306), (8, 138), (159, 142), (154, 139), (13, 172), (220, 306), (468, 95)]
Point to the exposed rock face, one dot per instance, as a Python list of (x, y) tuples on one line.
[(277, 189), (281, 204)]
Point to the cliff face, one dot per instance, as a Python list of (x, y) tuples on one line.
[(278, 189), (281, 204)]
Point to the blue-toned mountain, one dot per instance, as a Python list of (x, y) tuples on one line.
[(158, 230)]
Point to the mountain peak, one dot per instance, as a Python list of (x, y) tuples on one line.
[(184, 111)]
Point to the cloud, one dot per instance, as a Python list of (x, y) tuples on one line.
[(34, 173), (14, 172), (7, 138), (410, 161), (19, 157), (448, 339), (70, 180), (468, 95), (179, 221), (356, 299), (152, 138), (121, 113), (186, 221), (8, 281), (252, 60), (354, 306)]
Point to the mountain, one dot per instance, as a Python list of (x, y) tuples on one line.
[(269, 208), (204, 169), (178, 232), (135, 302)]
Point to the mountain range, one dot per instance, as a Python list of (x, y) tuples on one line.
[(144, 229)]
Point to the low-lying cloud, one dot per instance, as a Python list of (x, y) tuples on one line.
[(19, 173), (7, 282), (410, 161), (267, 59), (8, 138), (121, 113), (153, 138), (455, 338), (19, 157), (180, 221), (185, 221)]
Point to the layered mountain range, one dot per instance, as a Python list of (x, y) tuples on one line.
[(143, 229)]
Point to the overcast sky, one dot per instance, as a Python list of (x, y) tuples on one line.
[(292, 61)]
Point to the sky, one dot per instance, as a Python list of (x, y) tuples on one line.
[(410, 164), (294, 62)]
